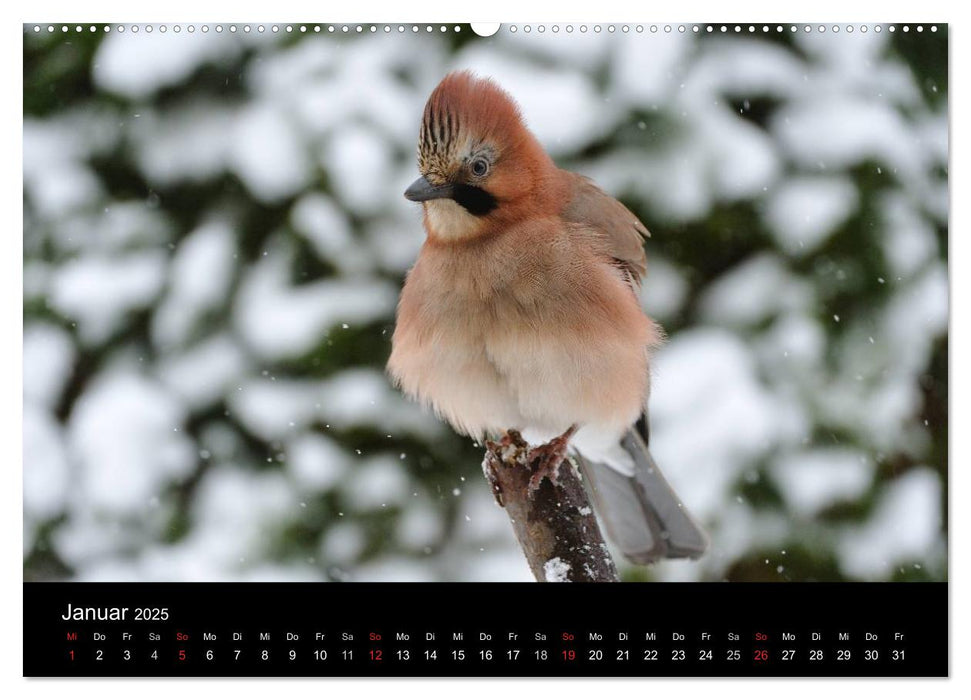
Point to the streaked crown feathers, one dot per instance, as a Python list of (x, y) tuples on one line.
[(464, 114)]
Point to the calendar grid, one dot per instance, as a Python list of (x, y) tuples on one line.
[(100, 629)]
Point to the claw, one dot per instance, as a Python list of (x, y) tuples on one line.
[(548, 468), (548, 459)]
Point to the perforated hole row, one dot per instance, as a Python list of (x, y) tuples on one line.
[(513, 28), (248, 28), (718, 28)]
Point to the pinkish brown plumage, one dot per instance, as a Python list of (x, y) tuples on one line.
[(522, 309)]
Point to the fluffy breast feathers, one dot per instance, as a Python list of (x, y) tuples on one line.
[(531, 328)]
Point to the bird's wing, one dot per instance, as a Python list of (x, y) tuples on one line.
[(623, 232)]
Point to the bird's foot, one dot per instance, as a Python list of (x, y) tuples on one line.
[(512, 438), (545, 460)]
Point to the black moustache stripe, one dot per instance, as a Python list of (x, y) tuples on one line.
[(476, 200)]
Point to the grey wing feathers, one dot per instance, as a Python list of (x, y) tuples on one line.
[(642, 514)]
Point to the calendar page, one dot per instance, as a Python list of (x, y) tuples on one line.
[(329, 326)]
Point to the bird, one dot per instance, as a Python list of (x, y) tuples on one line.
[(522, 313)]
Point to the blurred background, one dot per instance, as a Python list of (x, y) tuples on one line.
[(215, 236)]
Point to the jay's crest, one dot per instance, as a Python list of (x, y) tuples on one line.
[(466, 118)]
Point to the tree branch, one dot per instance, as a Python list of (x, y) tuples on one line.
[(555, 525)]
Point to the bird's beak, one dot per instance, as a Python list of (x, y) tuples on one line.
[(421, 190)]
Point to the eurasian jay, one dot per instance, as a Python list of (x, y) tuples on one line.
[(522, 312)]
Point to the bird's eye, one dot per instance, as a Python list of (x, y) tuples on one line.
[(480, 166)]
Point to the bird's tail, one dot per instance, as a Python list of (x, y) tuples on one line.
[(642, 514)]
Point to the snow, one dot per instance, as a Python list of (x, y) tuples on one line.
[(49, 359), (663, 290), (123, 226), (189, 144), (393, 570), (646, 69), (796, 341), (236, 511), (910, 242), (99, 291), (500, 563), (323, 100), (273, 409), (741, 159), (754, 291), (204, 372), (201, 267), (395, 244), (47, 473), (892, 405), (279, 320), (268, 153), (556, 571), (711, 416), (805, 211), (482, 521), (714, 155), (64, 190), (904, 526), (187, 562), (855, 66), (811, 481), (915, 315), (375, 483), (48, 145), (357, 161), (137, 65), (322, 222), (199, 277), (674, 185), (421, 525), (361, 397), (740, 530), (343, 543), (742, 67), (316, 462), (125, 432), (56, 181), (844, 131), (383, 65), (94, 541), (281, 74)]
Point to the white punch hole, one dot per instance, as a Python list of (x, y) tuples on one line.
[(485, 28)]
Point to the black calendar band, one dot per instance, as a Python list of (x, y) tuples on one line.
[(390, 629)]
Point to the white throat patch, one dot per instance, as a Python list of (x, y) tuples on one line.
[(450, 220)]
